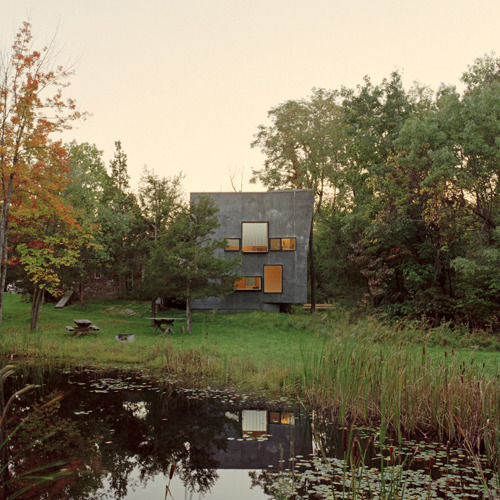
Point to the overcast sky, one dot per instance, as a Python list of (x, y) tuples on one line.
[(184, 84)]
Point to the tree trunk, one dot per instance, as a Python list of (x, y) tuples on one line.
[(4, 220), (188, 308), (36, 306), (81, 292), (4, 474), (153, 310), (312, 271)]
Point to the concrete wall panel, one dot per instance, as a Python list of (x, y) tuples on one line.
[(289, 214)]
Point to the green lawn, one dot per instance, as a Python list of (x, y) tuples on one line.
[(255, 340), (264, 341)]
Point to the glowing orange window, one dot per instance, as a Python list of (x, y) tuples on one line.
[(273, 279), (248, 283), (288, 243)]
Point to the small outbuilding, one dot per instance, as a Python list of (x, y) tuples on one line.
[(271, 230)]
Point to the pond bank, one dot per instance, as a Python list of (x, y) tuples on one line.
[(353, 370)]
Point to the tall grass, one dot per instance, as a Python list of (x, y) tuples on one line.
[(404, 391)]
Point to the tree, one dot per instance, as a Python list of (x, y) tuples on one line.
[(87, 180), (123, 229), (118, 165), (455, 150), (185, 262), (30, 115), (49, 239), (302, 148), (160, 200)]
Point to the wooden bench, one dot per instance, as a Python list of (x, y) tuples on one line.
[(70, 328), (93, 327), (319, 307)]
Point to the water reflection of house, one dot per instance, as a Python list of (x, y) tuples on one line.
[(263, 438)]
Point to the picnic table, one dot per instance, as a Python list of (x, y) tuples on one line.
[(165, 325), (83, 327)]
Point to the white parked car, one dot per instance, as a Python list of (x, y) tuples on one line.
[(15, 287)]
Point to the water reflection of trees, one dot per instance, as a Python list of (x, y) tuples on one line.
[(46, 445), (171, 430), (128, 431)]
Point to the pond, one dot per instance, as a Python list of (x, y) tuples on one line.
[(118, 435)]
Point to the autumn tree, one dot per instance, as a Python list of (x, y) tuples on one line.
[(32, 112), (48, 239)]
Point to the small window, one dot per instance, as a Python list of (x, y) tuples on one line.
[(288, 243), (232, 245), (248, 283), (275, 244), (284, 244), (254, 237), (273, 279)]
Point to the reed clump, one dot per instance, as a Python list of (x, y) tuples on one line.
[(409, 392)]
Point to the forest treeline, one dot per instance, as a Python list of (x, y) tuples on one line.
[(405, 181), (407, 193)]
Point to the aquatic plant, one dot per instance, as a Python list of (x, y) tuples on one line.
[(27, 479)]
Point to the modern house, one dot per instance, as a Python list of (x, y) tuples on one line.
[(271, 229)]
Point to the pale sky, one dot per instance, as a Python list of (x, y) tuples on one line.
[(184, 84)]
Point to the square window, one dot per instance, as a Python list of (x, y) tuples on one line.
[(232, 245), (254, 237), (288, 243), (275, 244)]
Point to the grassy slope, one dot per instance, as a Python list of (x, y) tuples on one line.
[(261, 340)]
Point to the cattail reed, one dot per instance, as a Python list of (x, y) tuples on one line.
[(345, 439), (392, 459), (355, 451)]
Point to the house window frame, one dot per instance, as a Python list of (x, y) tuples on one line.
[(292, 238), (227, 247), (271, 240), (266, 279), (280, 244), (254, 288), (244, 248)]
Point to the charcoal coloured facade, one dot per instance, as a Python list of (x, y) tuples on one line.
[(271, 230)]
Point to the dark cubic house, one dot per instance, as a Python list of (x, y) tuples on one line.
[(271, 230)]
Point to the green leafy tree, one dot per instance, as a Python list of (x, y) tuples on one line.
[(187, 262), (302, 148), (455, 149), (85, 191), (160, 199), (123, 229)]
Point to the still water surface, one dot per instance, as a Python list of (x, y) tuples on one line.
[(131, 431), (121, 434)]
